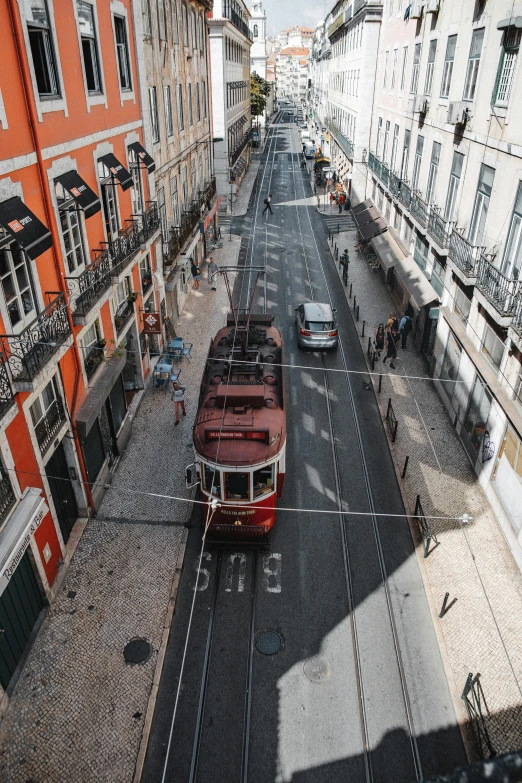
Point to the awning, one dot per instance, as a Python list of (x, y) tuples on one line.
[(93, 403), (81, 192), (372, 229), (362, 206), (24, 226), (418, 287), (115, 167), (387, 250), (366, 216), (206, 223), (17, 532), (514, 21), (144, 156), (190, 249)]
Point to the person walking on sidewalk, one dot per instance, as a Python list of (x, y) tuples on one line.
[(267, 203), (340, 203), (393, 325), (178, 395), (405, 327), (196, 273), (213, 270), (380, 337), (391, 349)]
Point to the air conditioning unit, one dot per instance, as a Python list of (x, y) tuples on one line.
[(432, 6), (416, 10), (458, 113), (420, 104)]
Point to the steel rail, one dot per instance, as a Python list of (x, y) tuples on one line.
[(382, 564), (248, 686)]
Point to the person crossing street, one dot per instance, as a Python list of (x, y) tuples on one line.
[(267, 203)]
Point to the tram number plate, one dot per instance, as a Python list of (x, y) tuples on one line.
[(235, 572)]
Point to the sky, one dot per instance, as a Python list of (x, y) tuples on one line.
[(281, 14)]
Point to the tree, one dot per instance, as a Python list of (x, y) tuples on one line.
[(259, 90)]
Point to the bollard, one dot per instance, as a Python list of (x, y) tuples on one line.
[(338, 228), (364, 325), (444, 606), (380, 383), (357, 313), (345, 275), (403, 474), (350, 294)]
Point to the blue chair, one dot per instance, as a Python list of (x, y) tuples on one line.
[(185, 351), (175, 347)]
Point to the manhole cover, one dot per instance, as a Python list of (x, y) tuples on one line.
[(316, 669), (137, 651), (269, 642)]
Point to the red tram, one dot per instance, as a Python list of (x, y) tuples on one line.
[(240, 428)]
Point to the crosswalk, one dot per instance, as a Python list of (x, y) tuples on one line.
[(224, 222), (336, 222)]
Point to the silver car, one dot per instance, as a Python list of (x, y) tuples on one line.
[(316, 327)]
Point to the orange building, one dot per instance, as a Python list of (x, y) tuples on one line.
[(78, 238)]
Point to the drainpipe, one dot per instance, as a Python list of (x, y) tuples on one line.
[(17, 28)]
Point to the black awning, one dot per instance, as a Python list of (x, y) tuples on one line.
[(115, 167), (81, 192), (362, 206), (366, 216), (143, 156), (98, 393), (372, 229), (24, 226)]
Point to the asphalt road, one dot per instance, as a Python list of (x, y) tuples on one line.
[(357, 691)]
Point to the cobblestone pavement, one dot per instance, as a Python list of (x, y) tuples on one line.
[(78, 711), (482, 632)]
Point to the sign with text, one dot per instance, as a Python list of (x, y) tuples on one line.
[(151, 323)]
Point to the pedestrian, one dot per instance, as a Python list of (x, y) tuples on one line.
[(267, 203), (196, 273), (347, 204), (345, 258), (391, 349), (212, 274), (304, 148), (379, 339), (340, 201), (405, 327), (178, 395), (393, 325)]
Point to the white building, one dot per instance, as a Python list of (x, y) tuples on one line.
[(445, 171), (292, 73), (258, 53), (230, 40)]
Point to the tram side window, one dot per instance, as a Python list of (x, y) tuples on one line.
[(236, 486), (263, 481), (213, 481)]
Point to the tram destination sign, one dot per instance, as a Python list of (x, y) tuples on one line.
[(236, 435)]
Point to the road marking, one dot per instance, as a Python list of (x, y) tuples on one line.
[(240, 569), (272, 572), (203, 574)]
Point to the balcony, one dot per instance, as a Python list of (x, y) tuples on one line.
[(86, 289), (131, 239), (371, 160), (28, 352), (233, 156), (404, 195), (94, 358), (174, 246), (385, 175), (395, 184), (7, 396), (238, 22), (208, 194), (344, 143), (464, 255), (48, 427), (420, 210), (502, 292), (7, 495), (439, 229), (146, 280), (123, 315)]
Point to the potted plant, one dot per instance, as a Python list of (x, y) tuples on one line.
[(132, 296)]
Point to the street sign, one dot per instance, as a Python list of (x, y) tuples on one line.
[(151, 323)]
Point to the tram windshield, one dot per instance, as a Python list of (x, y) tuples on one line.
[(263, 481), (236, 486), (212, 481)]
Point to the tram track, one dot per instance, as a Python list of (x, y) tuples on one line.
[(379, 548)]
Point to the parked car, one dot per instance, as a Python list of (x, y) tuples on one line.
[(305, 135), (310, 149), (316, 327)]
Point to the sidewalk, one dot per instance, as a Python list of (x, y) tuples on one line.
[(79, 712), (482, 631)]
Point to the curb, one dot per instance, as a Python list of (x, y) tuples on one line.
[(460, 712)]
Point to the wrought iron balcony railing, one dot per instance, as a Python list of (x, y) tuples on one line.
[(49, 426), (240, 147), (28, 352), (385, 175), (132, 238), (86, 289), (405, 194), (463, 254), (123, 315), (419, 209), (394, 185), (502, 292), (238, 22), (371, 161), (7, 396), (345, 144), (439, 229), (209, 191), (174, 246), (7, 495), (516, 323), (94, 358)]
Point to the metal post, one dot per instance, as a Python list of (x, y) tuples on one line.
[(444, 606), (364, 325), (380, 383), (350, 294), (403, 474), (357, 313), (354, 302)]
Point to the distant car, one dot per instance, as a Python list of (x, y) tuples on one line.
[(316, 327), (309, 149), (305, 135)]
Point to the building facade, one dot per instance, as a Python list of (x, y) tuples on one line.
[(292, 73), (79, 239), (259, 57), (175, 82), (230, 40)]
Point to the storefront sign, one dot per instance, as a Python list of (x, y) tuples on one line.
[(151, 323), (206, 223), (16, 552)]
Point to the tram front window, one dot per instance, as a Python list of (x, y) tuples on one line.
[(212, 481), (263, 481), (236, 486)]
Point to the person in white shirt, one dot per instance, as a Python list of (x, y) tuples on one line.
[(178, 395), (212, 274)]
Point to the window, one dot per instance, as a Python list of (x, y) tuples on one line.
[(71, 231), (162, 211), (145, 274), (181, 116), (476, 421), (403, 67), (236, 486), (430, 66), (204, 86), (91, 61), (256, 31), (379, 133), (449, 59), (437, 277), (386, 58), (16, 285), (449, 370), (145, 16), (168, 111), (212, 481), (263, 481), (415, 69), (109, 204), (193, 177), (405, 154), (394, 68), (473, 65), (200, 166), (421, 251), (417, 162), (154, 115), (386, 139), (184, 22), (506, 67), (175, 34), (492, 346), (453, 189), (193, 29), (198, 106), (122, 53), (42, 49), (480, 210), (184, 186), (175, 199), (161, 20), (93, 352), (45, 404), (395, 142), (434, 169), (512, 261), (189, 101), (461, 305)]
